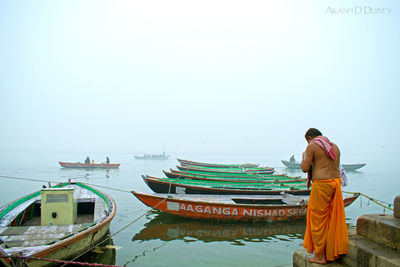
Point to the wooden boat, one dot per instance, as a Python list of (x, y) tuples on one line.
[(268, 179), (347, 167), (240, 172), (153, 156), (175, 186), (56, 223), (169, 227), (285, 207), (184, 162), (89, 165), (226, 175)]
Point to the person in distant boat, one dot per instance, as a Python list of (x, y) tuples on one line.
[(326, 231), (87, 160), (292, 159), (107, 160)]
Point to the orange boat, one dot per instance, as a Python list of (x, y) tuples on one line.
[(232, 207), (88, 165)]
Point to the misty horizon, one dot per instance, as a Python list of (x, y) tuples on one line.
[(209, 77)]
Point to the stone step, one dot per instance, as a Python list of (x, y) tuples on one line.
[(362, 252), (300, 260), (381, 228), (366, 252)]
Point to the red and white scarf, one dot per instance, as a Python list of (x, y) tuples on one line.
[(326, 145)]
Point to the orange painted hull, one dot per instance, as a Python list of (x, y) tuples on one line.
[(215, 210), (89, 165)]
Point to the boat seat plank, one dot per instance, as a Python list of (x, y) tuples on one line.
[(7, 231), (24, 236), (100, 209)]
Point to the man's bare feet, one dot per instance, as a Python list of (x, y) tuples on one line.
[(320, 259)]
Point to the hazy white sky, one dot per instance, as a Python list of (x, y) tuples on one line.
[(210, 76)]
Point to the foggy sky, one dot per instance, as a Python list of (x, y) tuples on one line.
[(207, 76)]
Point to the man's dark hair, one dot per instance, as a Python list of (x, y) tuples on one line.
[(313, 132)]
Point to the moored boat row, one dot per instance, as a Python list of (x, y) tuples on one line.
[(228, 192)]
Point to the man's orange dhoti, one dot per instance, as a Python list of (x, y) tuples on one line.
[(326, 230)]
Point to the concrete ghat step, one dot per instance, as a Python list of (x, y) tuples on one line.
[(365, 252), (300, 260), (362, 252), (381, 228)]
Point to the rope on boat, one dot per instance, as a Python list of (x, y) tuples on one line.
[(111, 188), (28, 179), (379, 202), (49, 181), (60, 261)]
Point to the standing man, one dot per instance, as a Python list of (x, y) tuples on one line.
[(326, 231)]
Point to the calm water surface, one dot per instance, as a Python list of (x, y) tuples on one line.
[(157, 239)]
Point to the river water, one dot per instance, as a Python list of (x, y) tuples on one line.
[(157, 239)]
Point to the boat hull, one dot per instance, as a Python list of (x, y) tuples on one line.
[(196, 208), (89, 165), (235, 172), (60, 248), (271, 179), (225, 175), (75, 247), (215, 165), (163, 186)]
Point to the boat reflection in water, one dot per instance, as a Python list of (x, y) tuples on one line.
[(167, 227), (105, 253)]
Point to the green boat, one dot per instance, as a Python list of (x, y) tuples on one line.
[(270, 185), (185, 162), (223, 173), (174, 174), (258, 170), (186, 186)]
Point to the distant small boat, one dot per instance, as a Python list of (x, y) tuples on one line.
[(89, 165), (232, 208), (162, 156), (347, 167), (56, 223)]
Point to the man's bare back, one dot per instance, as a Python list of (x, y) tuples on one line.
[(322, 166)]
